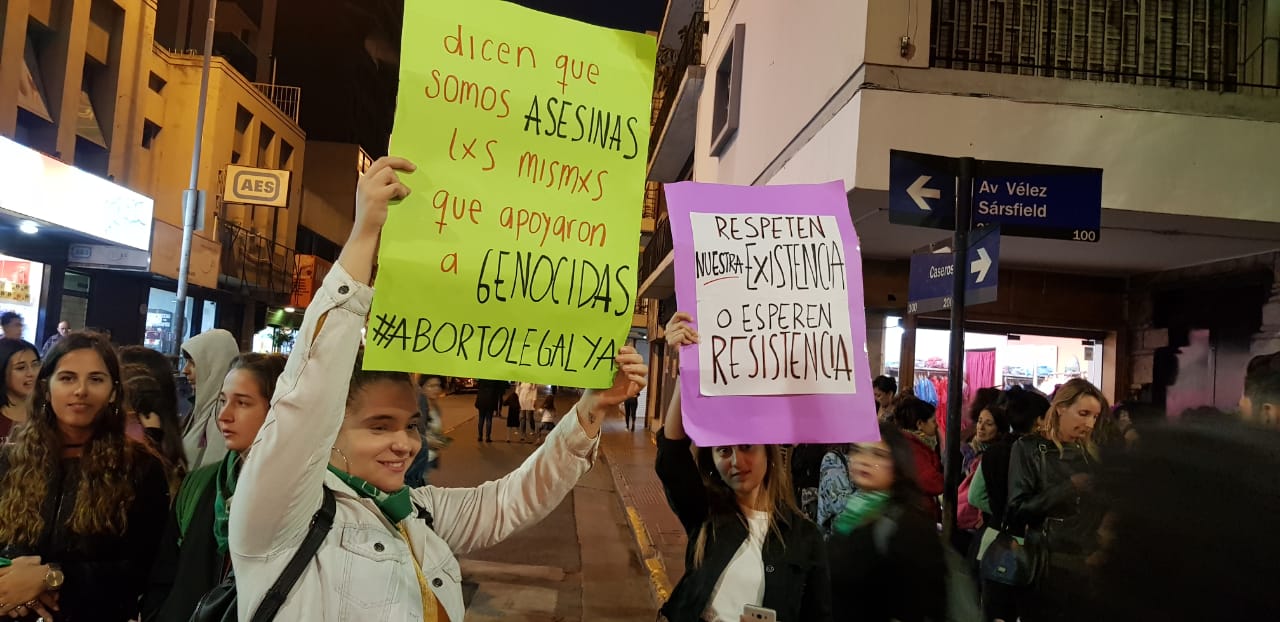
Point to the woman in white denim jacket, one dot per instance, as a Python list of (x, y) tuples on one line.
[(371, 567)]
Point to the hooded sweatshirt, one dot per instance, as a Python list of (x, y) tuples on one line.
[(212, 351)]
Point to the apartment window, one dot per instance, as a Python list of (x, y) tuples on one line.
[(149, 132), (728, 94), (156, 83), (240, 145), (265, 136), (286, 155)]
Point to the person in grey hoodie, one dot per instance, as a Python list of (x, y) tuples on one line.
[(207, 359)]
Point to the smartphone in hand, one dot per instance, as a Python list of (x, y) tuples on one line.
[(752, 613)]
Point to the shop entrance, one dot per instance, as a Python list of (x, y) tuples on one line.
[(1020, 357)]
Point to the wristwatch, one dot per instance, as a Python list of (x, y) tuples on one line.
[(54, 578)]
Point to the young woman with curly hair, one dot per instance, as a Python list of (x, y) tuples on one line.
[(81, 505)]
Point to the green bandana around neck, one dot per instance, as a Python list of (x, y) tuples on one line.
[(396, 506), (862, 506), (225, 481)]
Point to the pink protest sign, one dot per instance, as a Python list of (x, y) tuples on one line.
[(773, 278)]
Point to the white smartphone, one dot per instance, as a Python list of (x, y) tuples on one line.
[(751, 613)]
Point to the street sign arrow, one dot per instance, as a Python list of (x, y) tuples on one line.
[(982, 264), (922, 190), (931, 283), (918, 192)]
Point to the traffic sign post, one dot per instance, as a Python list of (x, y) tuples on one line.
[(1030, 200)]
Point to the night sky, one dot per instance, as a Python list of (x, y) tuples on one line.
[(637, 15)]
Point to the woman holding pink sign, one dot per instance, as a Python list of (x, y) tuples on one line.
[(750, 549)]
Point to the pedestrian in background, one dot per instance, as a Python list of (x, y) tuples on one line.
[(152, 398), (430, 390), (11, 324), (887, 562), (885, 389), (206, 360), (915, 420), (64, 329), (20, 364), (547, 414), (488, 401), (512, 402), (528, 393), (629, 412)]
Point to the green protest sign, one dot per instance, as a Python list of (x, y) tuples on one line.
[(514, 258)]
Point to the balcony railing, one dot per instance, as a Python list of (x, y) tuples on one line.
[(1191, 44), (286, 98), (255, 263), (657, 248), (670, 71)]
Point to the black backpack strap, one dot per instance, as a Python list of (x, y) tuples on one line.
[(321, 522)]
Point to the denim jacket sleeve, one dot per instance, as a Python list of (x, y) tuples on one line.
[(280, 484), (834, 488), (474, 518)]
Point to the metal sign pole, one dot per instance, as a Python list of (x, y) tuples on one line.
[(191, 197), (955, 368)]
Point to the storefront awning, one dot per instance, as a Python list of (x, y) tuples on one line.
[(50, 192)]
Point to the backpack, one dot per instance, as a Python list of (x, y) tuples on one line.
[(962, 593), (219, 604)]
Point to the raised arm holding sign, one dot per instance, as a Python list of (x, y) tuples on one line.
[(530, 129)]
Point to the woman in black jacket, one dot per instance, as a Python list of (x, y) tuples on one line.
[(886, 556), (81, 505), (748, 544), (1051, 497)]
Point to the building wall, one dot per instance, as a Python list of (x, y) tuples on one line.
[(241, 127), (329, 188), (797, 54), (79, 45)]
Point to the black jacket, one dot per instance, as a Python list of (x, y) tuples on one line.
[(797, 584), (891, 568), (995, 470), (184, 573), (489, 395), (1040, 491), (105, 574)]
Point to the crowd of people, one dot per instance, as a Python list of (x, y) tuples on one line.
[(298, 487), (1054, 522), (295, 487)]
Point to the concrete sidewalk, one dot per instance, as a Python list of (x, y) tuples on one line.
[(659, 536)]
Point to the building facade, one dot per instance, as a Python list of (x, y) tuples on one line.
[(88, 83), (1176, 100)]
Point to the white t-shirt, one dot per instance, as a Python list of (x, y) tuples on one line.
[(548, 415), (742, 582)]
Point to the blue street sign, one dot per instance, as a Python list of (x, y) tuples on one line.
[(930, 288), (1030, 200), (922, 190)]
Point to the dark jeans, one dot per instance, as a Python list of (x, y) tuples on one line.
[(630, 414), (484, 424)]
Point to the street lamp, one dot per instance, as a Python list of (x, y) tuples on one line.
[(191, 197)]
